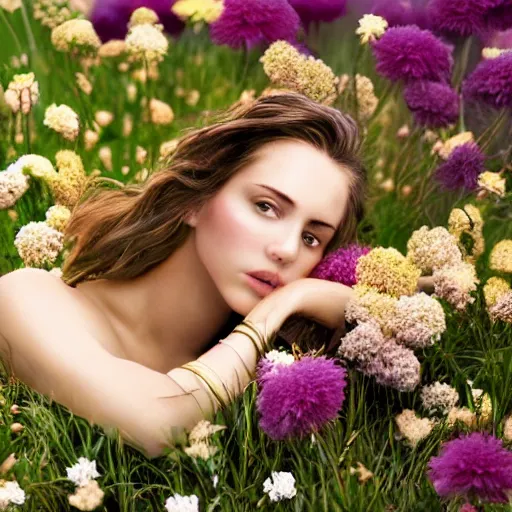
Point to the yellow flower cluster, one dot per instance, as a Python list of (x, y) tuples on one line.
[(63, 120), (87, 497), (199, 440), (161, 113), (10, 5), (38, 244), (112, 48), (22, 93), (430, 249), (75, 33), (57, 217), (287, 67), (494, 289), (198, 10), (369, 304), (83, 83), (389, 271), (146, 43), (500, 258), (141, 16), (468, 221), (413, 428), (36, 165), (51, 13), (492, 182), (366, 100), (371, 27)]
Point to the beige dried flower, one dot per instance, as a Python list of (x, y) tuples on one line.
[(75, 33), (38, 244), (439, 398), (462, 414), (500, 258), (13, 184), (90, 139), (468, 222), (112, 48), (192, 97), (198, 10), (70, 182), (507, 428), (103, 117), (127, 125), (455, 283), (105, 154), (87, 497), (200, 450), (494, 289), (141, 16), (63, 120), (10, 5), (8, 463), (22, 93), (145, 42), (57, 217), (131, 92), (371, 27), (413, 428), (457, 140), (161, 113), (140, 155), (363, 474), (203, 431), (83, 83), (492, 182)]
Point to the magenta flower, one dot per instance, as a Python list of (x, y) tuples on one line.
[(499, 17), (247, 24), (462, 168), (340, 265), (319, 10), (433, 104), (475, 465), (395, 13), (297, 399), (410, 53), (110, 17), (490, 82)]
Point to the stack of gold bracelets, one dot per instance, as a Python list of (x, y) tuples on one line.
[(208, 376)]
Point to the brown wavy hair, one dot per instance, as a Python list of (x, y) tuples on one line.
[(121, 234)]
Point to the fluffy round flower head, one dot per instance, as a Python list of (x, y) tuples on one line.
[(362, 343), (494, 289), (13, 184), (287, 67), (88, 497), (410, 53), (395, 366), (38, 244), (146, 43), (178, 503), (280, 486), (69, 183), (458, 17), (371, 27), (474, 465), (433, 104), (462, 414), (502, 310), (319, 10), (430, 249), (296, 399), (468, 222), (366, 100), (143, 15), (499, 16), (25, 92), (439, 397), (75, 33), (412, 428), (490, 82), (462, 168), (245, 24), (457, 140), (395, 13), (111, 49), (161, 112), (500, 258), (492, 182), (455, 283), (63, 120), (10, 5), (57, 217), (340, 265), (198, 10), (203, 431), (11, 492), (419, 321), (389, 271), (369, 304), (492, 53)]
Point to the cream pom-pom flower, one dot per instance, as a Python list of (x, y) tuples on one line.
[(63, 119), (75, 33), (412, 428), (500, 258), (146, 42), (57, 216), (371, 27), (494, 289), (13, 184), (439, 397), (492, 182), (454, 283), (38, 244)]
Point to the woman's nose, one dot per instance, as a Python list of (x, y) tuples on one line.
[(285, 249)]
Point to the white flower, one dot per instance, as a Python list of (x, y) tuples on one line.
[(10, 5), (146, 42), (13, 184), (371, 27), (280, 357), (38, 244), (215, 481), (11, 492), (83, 471), (178, 503), (282, 486)]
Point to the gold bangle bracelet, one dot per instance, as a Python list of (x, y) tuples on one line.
[(195, 368), (259, 349), (265, 343), (249, 373)]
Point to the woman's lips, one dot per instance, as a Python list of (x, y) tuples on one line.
[(260, 287)]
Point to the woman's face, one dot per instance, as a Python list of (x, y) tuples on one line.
[(247, 227)]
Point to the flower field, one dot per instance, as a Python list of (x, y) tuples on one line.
[(412, 410)]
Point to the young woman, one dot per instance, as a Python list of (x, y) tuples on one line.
[(235, 223)]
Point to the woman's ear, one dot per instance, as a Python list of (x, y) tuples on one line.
[(191, 219)]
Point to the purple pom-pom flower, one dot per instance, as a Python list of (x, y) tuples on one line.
[(462, 168), (499, 17), (491, 82), (110, 17), (299, 398), (410, 53), (399, 12), (319, 10), (433, 104), (340, 265), (475, 465), (247, 24)]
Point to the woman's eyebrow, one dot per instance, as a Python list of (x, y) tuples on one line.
[(288, 200)]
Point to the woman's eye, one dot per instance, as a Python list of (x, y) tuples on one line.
[(311, 237), (265, 203)]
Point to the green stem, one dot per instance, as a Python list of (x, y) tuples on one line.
[(466, 49), (28, 29), (26, 129), (12, 31), (489, 134)]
